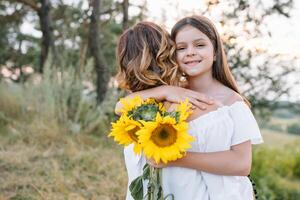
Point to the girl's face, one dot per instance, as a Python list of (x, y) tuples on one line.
[(194, 51)]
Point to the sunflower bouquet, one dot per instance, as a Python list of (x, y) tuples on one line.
[(157, 134)]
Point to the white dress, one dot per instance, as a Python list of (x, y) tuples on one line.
[(215, 131)]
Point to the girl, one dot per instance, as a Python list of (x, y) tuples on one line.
[(217, 165), (222, 153), (146, 58)]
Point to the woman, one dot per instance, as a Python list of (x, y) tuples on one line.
[(146, 59)]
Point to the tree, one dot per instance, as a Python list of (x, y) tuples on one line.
[(43, 11), (75, 31), (47, 30), (96, 53), (125, 6), (17, 49)]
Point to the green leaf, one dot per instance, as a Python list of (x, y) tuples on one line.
[(146, 112), (146, 172), (136, 188), (169, 195)]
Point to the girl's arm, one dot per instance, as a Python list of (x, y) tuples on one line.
[(234, 162), (172, 94)]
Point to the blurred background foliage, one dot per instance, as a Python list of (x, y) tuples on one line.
[(57, 97)]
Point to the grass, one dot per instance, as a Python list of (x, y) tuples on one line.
[(68, 167), (277, 139), (51, 165), (42, 158)]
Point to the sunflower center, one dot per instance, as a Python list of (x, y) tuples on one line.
[(164, 135), (132, 134)]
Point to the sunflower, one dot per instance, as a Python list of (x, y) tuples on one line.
[(124, 132), (160, 105), (131, 104), (164, 139), (184, 108), (128, 104)]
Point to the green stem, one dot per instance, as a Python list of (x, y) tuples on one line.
[(154, 190), (160, 183)]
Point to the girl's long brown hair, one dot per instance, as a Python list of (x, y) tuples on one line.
[(220, 68), (146, 58)]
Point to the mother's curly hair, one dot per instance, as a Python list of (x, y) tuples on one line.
[(146, 58)]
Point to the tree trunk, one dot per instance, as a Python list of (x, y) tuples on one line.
[(43, 11), (47, 30), (95, 52), (125, 6)]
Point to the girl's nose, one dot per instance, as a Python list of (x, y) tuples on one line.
[(190, 51)]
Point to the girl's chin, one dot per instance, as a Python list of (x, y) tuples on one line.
[(195, 72)]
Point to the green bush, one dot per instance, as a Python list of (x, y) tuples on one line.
[(55, 103), (285, 113), (294, 129), (11, 102), (276, 173), (296, 170), (274, 127)]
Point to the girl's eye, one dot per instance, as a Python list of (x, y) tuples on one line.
[(180, 48), (200, 45)]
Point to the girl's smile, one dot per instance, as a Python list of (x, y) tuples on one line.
[(192, 63)]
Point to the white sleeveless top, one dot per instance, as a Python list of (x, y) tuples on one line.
[(215, 131)]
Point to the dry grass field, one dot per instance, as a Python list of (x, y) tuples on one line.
[(41, 159), (60, 167)]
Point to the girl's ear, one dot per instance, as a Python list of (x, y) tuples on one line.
[(215, 55)]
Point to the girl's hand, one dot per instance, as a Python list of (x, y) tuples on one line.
[(177, 94), (152, 163)]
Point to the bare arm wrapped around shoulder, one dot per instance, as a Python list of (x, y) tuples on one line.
[(172, 94)]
